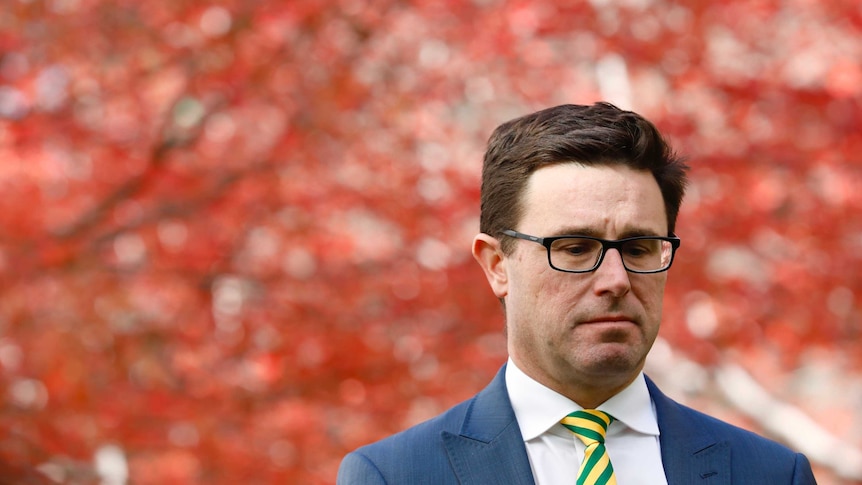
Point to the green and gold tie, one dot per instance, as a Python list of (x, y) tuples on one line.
[(590, 426)]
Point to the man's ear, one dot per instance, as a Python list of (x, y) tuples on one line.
[(489, 255)]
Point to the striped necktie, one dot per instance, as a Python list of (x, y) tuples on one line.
[(590, 426)]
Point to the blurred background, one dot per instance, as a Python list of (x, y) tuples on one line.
[(234, 235)]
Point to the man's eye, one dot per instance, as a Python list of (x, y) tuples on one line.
[(576, 250), (577, 247), (640, 249)]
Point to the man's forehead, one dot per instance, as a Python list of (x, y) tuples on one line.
[(591, 198), (579, 180)]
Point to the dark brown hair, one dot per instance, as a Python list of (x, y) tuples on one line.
[(596, 134)]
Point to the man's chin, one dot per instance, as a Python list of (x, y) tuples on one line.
[(614, 359)]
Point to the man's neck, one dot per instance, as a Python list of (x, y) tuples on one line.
[(580, 389)]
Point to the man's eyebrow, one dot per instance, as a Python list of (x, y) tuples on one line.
[(592, 232), (577, 231), (640, 232)]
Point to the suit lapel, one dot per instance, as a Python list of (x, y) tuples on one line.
[(690, 453), (489, 447)]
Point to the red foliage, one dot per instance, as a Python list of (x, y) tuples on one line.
[(235, 237)]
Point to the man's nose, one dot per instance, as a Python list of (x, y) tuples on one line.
[(611, 275)]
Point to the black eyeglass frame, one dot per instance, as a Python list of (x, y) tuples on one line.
[(606, 244)]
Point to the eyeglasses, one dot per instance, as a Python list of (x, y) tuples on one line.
[(583, 254)]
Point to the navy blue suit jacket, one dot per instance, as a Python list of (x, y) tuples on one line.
[(479, 442)]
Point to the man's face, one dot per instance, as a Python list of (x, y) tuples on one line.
[(575, 332)]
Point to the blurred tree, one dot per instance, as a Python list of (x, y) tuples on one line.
[(235, 235)]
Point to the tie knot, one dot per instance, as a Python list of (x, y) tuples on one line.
[(590, 425)]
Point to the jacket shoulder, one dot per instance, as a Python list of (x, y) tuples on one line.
[(700, 422), (416, 453), (688, 435), (478, 427)]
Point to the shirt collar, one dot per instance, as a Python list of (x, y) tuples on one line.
[(538, 409)]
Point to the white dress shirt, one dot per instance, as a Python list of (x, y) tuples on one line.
[(555, 453)]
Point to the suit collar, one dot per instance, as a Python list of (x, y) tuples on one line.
[(690, 454), (489, 447)]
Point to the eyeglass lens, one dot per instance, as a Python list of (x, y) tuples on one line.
[(577, 254)]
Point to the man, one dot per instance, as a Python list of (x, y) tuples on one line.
[(579, 205)]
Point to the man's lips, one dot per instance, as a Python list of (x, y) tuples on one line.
[(609, 319)]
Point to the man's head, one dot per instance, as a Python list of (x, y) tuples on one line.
[(597, 134), (591, 171)]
